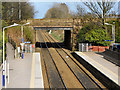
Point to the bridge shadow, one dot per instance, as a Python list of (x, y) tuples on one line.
[(50, 45)]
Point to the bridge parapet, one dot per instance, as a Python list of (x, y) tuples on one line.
[(52, 22)]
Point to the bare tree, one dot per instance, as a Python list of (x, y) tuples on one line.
[(80, 11), (10, 11), (101, 9)]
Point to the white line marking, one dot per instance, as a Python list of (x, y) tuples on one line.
[(38, 72)]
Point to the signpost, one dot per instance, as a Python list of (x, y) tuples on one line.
[(22, 46), (22, 36)]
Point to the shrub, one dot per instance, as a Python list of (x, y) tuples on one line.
[(98, 36), (94, 33)]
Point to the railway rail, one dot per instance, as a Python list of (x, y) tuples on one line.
[(61, 69)]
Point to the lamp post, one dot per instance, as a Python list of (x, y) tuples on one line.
[(113, 30), (4, 74), (22, 37)]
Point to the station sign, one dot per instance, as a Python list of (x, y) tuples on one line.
[(109, 40), (22, 40), (27, 42)]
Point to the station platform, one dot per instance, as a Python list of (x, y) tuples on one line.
[(23, 73), (98, 61)]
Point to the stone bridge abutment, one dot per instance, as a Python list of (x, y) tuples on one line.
[(67, 39)]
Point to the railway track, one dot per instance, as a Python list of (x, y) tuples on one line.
[(53, 75), (61, 69)]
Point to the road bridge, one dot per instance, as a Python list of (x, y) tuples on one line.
[(58, 24), (67, 33)]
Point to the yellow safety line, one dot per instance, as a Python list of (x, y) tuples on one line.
[(100, 65), (32, 72)]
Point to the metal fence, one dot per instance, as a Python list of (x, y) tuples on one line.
[(29, 48), (85, 47)]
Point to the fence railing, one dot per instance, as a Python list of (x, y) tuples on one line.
[(29, 48)]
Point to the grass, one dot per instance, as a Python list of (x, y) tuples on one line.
[(58, 36)]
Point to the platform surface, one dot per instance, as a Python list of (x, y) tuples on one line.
[(98, 61)]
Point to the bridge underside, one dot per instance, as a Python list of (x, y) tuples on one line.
[(53, 28), (67, 33)]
